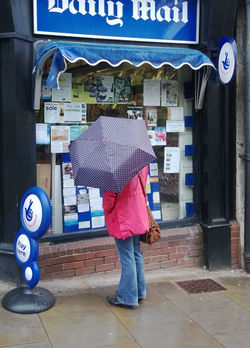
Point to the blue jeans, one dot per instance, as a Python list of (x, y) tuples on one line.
[(132, 284)]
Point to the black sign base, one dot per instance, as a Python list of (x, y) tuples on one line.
[(28, 301)]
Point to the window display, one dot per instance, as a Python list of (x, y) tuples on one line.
[(87, 92)]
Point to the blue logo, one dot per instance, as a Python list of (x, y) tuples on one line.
[(29, 212), (226, 62)]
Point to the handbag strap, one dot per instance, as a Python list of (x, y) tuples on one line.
[(143, 189)]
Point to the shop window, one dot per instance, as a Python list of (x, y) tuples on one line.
[(162, 97)]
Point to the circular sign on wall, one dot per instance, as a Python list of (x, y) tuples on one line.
[(35, 212), (227, 59)]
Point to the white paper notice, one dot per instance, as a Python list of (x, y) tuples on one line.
[(82, 191), (175, 126), (169, 93), (96, 203), (98, 221), (83, 207), (56, 147), (151, 92), (153, 169), (175, 114), (51, 112), (71, 200), (71, 218), (42, 134), (94, 192), (84, 224), (148, 186), (60, 139), (73, 112), (156, 197), (171, 160), (68, 182), (64, 93), (156, 214), (69, 191)]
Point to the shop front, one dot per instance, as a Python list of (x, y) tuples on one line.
[(142, 60)]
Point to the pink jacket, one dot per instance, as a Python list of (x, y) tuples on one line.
[(126, 212)]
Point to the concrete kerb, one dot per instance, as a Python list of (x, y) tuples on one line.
[(90, 282)]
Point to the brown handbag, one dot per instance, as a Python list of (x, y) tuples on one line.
[(154, 233)]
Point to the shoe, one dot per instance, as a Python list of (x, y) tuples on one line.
[(139, 299), (114, 302)]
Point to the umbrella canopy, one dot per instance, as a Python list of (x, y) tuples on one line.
[(110, 153)]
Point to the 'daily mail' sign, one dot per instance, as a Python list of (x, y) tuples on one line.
[(174, 21)]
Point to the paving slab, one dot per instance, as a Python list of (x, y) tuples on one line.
[(221, 318), (238, 289), (158, 314), (83, 320), (184, 333), (235, 339), (18, 329)]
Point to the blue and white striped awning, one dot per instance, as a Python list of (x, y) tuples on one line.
[(95, 53)]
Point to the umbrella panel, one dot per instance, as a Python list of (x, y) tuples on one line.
[(126, 132), (109, 171), (110, 153)]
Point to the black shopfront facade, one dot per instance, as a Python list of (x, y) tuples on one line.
[(213, 133)]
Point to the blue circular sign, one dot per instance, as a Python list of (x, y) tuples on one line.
[(26, 249), (31, 274), (35, 212), (227, 59)]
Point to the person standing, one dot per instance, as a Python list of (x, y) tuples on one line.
[(126, 219)]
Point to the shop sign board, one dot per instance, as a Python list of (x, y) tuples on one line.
[(172, 21)]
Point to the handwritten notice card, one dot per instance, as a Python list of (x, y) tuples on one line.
[(171, 160)]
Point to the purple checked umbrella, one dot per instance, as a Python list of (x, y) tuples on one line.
[(110, 153)]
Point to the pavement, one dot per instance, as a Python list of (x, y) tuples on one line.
[(169, 317)]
